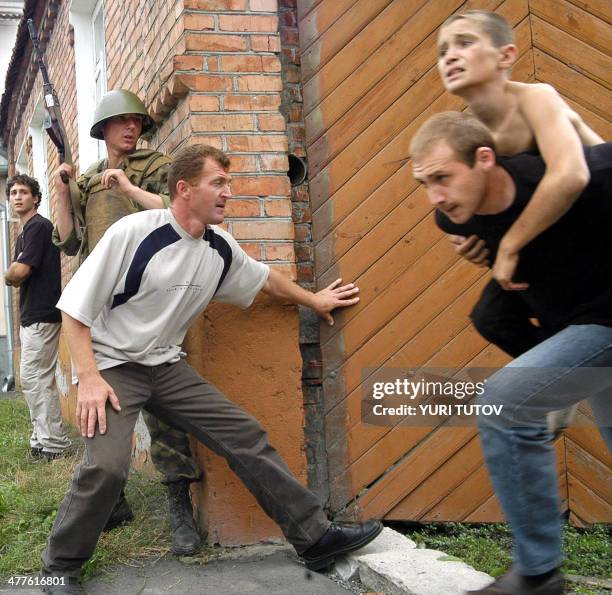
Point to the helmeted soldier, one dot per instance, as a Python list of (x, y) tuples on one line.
[(127, 181)]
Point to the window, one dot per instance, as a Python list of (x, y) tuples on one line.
[(87, 19)]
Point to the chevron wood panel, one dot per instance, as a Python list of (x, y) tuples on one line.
[(369, 81)]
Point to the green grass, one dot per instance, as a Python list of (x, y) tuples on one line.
[(31, 491), (487, 547)]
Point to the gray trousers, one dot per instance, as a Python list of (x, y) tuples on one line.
[(177, 393)]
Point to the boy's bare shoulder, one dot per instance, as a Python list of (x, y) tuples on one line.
[(528, 92)]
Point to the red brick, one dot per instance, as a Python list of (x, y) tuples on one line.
[(188, 62), (253, 82), (303, 233), (301, 213), (251, 102), (216, 4), (304, 253), (274, 122), (203, 103), (242, 208), (274, 163), (288, 19), (204, 139), (263, 5), (260, 23), (225, 122), (261, 186), (280, 252), (199, 22), (296, 113), (288, 270), (257, 142), (289, 37), (278, 208), (271, 64), (253, 250), (265, 43), (248, 63), (243, 163), (212, 42), (292, 74), (212, 62), (206, 82), (305, 272), (262, 229)]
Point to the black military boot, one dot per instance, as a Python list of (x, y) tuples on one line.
[(122, 513), (185, 536)]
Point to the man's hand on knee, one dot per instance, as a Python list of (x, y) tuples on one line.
[(93, 392)]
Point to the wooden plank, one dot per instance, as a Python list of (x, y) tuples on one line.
[(344, 31), (446, 342), (352, 106), (574, 21), (366, 215), (571, 83), (589, 439), (362, 53), (388, 491), (319, 19), (385, 270), (305, 6), (407, 323), (591, 471), (489, 512), (395, 66), (599, 8), (586, 503), (460, 505), (441, 482), (388, 303), (364, 440), (600, 125), (573, 52)]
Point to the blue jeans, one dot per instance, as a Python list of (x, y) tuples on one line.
[(561, 371)]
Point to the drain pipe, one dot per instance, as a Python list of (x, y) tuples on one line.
[(8, 382)]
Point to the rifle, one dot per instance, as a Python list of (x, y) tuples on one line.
[(54, 125)]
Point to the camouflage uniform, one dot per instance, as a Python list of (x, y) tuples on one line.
[(147, 169)]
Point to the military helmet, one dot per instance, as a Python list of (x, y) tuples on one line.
[(118, 103)]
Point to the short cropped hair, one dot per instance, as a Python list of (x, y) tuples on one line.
[(25, 180), (187, 164), (492, 24), (463, 132)]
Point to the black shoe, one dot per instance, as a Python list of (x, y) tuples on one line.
[(185, 537), (36, 452), (51, 456), (122, 513), (340, 538), (512, 583), (70, 586)]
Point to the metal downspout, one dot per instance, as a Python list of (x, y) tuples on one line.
[(8, 382)]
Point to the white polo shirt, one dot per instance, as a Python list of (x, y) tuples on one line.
[(148, 279)]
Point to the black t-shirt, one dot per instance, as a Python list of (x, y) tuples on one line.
[(568, 266), (41, 290)]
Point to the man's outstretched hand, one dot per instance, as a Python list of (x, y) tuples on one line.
[(334, 296)]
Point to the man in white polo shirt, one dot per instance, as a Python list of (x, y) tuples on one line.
[(125, 314)]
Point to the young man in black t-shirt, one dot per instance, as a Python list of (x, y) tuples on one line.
[(565, 278), (36, 271)]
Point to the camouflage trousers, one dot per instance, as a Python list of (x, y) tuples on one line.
[(170, 451)]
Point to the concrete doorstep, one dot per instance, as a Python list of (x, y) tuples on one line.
[(394, 565)]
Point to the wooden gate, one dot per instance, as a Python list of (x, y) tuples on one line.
[(369, 81)]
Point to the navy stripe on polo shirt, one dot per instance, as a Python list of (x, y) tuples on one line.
[(218, 243), (157, 240)]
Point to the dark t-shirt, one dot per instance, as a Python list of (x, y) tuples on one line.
[(41, 290), (568, 266)]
